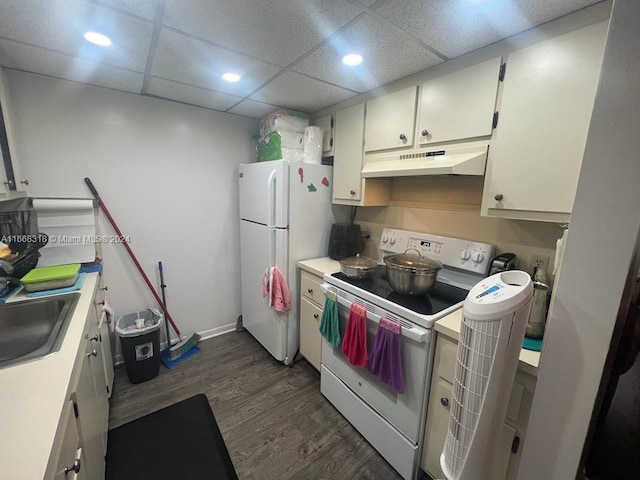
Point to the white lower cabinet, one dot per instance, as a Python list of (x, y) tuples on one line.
[(70, 459), (81, 443), (506, 456), (107, 353), (311, 299)]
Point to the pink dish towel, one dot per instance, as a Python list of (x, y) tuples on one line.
[(354, 343), (280, 298)]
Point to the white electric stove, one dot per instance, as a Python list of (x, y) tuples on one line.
[(394, 423)]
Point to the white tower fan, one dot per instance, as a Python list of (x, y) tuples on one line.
[(495, 314)]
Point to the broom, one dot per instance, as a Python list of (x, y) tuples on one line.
[(187, 342)]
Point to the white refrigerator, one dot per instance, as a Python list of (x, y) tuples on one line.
[(285, 216)]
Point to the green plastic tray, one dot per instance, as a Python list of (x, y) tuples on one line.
[(54, 272)]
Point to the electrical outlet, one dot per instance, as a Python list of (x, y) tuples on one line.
[(540, 261)]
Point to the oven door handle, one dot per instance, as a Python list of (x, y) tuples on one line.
[(414, 333)]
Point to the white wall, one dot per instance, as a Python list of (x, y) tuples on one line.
[(600, 247), (167, 172)]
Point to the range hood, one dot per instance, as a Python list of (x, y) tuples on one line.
[(467, 159)]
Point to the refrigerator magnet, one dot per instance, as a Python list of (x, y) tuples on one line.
[(301, 173), (325, 181), (312, 187)]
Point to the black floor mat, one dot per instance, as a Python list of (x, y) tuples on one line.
[(177, 442)]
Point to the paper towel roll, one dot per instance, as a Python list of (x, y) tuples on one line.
[(312, 145), (70, 224), (62, 204)]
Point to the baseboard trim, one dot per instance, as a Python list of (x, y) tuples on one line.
[(204, 335)]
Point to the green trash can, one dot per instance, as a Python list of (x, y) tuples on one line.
[(139, 334)]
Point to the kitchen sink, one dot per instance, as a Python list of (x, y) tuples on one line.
[(32, 329)]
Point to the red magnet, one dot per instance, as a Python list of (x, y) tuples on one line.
[(301, 173), (325, 182)]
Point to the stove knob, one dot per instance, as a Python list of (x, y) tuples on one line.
[(392, 240), (385, 239), (478, 257), (465, 255)]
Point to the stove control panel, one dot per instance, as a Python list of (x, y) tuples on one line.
[(453, 252)]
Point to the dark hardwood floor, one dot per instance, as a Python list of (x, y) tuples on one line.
[(275, 423)]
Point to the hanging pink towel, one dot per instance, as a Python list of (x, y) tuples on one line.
[(280, 298), (354, 343), (386, 359)]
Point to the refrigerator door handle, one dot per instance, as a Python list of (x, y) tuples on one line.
[(271, 226), (271, 182)]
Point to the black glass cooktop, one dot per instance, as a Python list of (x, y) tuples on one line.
[(440, 297)]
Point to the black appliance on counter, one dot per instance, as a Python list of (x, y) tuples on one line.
[(502, 263), (26, 260), (345, 240)]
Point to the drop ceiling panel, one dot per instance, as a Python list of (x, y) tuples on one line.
[(249, 108), (6, 60), (292, 90), (288, 51), (456, 27), (59, 65), (278, 31), (142, 8), (59, 25), (201, 64), (389, 54), (162, 88)]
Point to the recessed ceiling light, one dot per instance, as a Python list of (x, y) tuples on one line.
[(97, 39), (231, 77), (352, 59)]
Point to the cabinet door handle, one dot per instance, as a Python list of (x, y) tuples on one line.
[(515, 445), (499, 197), (444, 401), (310, 290), (73, 468), (25, 181), (105, 288), (425, 132), (352, 192), (95, 338), (403, 137), (93, 353), (316, 316)]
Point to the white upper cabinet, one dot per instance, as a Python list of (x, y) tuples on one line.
[(349, 188), (347, 162), (459, 105), (536, 153), (12, 183), (390, 120)]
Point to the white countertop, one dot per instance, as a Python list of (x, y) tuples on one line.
[(33, 395), (319, 266), (450, 326)]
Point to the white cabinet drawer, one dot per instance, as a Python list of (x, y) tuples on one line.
[(310, 288)]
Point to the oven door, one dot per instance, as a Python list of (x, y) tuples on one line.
[(403, 411)]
